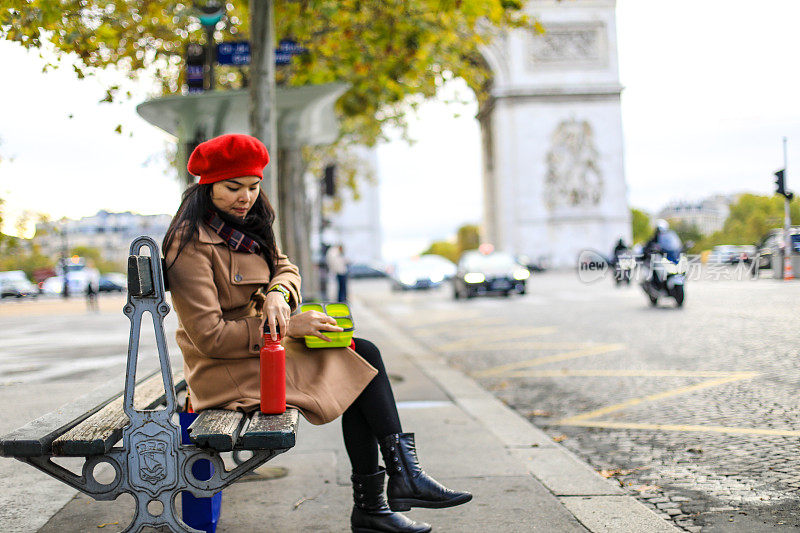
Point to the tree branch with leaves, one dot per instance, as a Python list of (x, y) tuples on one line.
[(393, 54)]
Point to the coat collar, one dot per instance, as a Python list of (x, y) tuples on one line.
[(207, 235)]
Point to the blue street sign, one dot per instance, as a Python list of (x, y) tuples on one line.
[(233, 53), (238, 52), (286, 49)]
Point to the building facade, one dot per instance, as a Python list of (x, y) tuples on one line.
[(357, 225), (554, 181), (110, 233), (708, 215)]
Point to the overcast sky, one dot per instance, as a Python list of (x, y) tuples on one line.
[(711, 87)]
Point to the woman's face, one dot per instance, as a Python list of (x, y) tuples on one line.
[(235, 196)]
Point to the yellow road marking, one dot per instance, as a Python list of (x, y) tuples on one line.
[(658, 396), (447, 326), (482, 338), (525, 345), (445, 319), (586, 352), (620, 373), (682, 427)]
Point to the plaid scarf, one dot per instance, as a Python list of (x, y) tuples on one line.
[(237, 241)]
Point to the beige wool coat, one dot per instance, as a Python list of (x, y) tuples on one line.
[(218, 295)]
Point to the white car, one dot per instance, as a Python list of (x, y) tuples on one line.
[(424, 272), (17, 287), (723, 253), (438, 266), (53, 285)]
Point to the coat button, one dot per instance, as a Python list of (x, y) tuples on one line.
[(237, 277)]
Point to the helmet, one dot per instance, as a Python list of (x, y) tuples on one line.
[(662, 224)]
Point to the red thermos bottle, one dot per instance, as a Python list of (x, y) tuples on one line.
[(273, 375)]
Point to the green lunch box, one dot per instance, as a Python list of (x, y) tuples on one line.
[(340, 312)]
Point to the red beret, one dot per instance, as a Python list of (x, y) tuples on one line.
[(228, 156)]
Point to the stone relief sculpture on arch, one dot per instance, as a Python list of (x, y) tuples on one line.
[(573, 179)]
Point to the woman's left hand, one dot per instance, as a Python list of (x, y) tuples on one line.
[(278, 312)]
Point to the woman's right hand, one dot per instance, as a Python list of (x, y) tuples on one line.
[(311, 323)]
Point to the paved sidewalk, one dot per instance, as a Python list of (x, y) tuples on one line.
[(521, 479)]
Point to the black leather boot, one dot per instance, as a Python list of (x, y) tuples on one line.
[(370, 512), (409, 485)]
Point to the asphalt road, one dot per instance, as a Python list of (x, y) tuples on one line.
[(693, 410), (53, 351)]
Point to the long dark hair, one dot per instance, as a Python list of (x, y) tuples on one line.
[(196, 202)]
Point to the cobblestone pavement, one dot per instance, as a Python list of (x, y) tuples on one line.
[(693, 410)]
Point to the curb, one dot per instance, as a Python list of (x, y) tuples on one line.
[(596, 503)]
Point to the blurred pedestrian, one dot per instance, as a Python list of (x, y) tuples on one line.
[(91, 296), (338, 266), (92, 288), (323, 271)]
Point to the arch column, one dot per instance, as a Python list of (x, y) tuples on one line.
[(554, 181)]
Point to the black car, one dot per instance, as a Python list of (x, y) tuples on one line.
[(109, 285), (363, 270), (488, 273), (770, 249)]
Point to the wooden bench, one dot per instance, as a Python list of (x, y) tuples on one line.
[(133, 429)]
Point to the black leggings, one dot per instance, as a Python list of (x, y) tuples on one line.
[(372, 416)]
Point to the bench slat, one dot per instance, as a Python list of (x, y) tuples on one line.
[(34, 439), (217, 429), (268, 432), (98, 433)]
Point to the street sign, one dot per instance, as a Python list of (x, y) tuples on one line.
[(235, 53), (286, 49)]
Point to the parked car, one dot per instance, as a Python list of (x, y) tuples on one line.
[(744, 254), (111, 283), (416, 273), (770, 249), (488, 273), (52, 285), (538, 265), (365, 270), (724, 253), (15, 284), (438, 266)]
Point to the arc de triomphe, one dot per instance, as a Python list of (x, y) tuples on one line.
[(553, 174)]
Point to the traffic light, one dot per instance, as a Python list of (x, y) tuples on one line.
[(329, 180), (195, 61), (780, 183)]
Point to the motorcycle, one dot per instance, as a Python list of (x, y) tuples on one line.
[(623, 268), (667, 273)]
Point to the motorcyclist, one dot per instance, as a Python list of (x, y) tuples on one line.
[(662, 255), (652, 246), (621, 267), (620, 249)]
